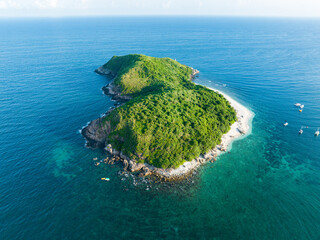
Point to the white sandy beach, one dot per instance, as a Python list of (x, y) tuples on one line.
[(242, 127)]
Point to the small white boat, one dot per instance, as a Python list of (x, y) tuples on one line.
[(301, 131), (317, 132), (298, 104), (302, 106), (285, 124)]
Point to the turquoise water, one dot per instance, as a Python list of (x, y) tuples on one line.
[(266, 187)]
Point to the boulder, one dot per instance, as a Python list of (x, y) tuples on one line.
[(145, 172), (125, 165), (134, 167), (109, 149)]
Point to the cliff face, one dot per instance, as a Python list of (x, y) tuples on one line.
[(98, 130), (96, 133)]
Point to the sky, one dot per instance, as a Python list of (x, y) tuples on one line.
[(60, 8)]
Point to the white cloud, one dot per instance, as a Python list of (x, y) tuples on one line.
[(139, 4), (244, 2), (166, 4), (9, 4), (3, 5), (84, 4), (45, 4)]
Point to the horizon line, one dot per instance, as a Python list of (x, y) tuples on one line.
[(160, 15)]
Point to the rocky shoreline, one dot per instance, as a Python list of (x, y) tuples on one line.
[(95, 134)]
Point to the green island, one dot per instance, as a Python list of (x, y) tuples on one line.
[(166, 118)]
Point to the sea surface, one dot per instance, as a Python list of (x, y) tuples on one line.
[(266, 187)]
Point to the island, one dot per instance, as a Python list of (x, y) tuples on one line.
[(163, 123)]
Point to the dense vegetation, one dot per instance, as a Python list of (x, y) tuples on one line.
[(169, 119), (138, 74)]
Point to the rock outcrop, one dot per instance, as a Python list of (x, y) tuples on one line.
[(104, 71), (115, 93), (194, 73), (96, 133), (111, 89)]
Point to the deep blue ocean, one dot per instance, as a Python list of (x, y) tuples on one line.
[(266, 187)]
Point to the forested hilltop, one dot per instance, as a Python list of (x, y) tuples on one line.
[(167, 119)]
